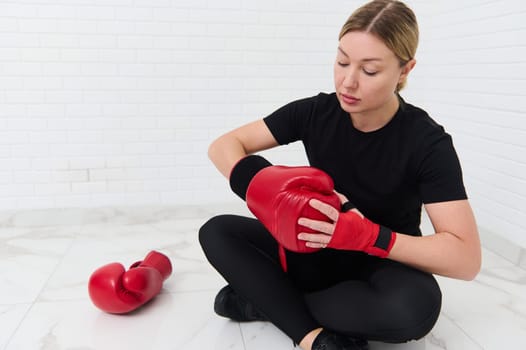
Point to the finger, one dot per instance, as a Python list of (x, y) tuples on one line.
[(343, 199), (357, 212), (318, 226), (316, 245), (326, 209), (314, 239)]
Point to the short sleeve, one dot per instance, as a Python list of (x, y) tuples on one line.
[(440, 172), (290, 122)]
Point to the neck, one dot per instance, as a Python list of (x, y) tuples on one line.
[(377, 118)]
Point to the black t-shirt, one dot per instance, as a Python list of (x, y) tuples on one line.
[(387, 173)]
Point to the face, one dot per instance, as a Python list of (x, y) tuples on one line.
[(366, 74)]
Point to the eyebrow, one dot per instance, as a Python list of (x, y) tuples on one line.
[(363, 60)]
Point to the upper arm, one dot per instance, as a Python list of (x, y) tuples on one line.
[(455, 218), (440, 173), (229, 148), (254, 137), (287, 124), (257, 136)]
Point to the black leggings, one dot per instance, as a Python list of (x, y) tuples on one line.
[(347, 292)]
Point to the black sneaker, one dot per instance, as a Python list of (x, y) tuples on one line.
[(332, 341), (230, 305)]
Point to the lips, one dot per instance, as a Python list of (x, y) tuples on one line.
[(349, 99)]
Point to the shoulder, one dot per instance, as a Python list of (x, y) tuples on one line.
[(423, 129), (327, 98), (321, 101), (419, 118), (326, 101), (304, 108), (434, 159), (427, 139), (296, 119)]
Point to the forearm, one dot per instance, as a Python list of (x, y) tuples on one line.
[(228, 149), (442, 253)]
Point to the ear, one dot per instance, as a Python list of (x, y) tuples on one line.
[(408, 67)]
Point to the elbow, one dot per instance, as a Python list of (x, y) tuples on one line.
[(212, 150), (470, 258), (224, 152), (476, 269), (215, 150), (472, 269), (471, 274), (476, 262)]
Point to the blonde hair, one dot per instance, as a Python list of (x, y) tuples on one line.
[(392, 22)]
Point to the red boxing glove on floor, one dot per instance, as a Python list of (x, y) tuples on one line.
[(352, 232), (114, 290)]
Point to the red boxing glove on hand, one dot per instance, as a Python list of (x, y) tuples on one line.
[(353, 232), (279, 195), (114, 290)]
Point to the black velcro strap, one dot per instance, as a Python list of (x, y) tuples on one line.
[(244, 171), (347, 206), (384, 238)]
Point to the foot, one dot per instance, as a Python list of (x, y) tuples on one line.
[(332, 341), (230, 305)]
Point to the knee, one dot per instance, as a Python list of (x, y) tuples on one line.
[(210, 231), (417, 313)]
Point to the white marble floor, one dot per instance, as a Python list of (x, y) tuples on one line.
[(47, 256)]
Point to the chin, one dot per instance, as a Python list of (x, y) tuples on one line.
[(350, 109)]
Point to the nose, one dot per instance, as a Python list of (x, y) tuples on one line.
[(350, 81)]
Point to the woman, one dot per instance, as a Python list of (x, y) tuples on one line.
[(386, 156)]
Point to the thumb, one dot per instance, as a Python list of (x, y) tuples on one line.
[(143, 280), (343, 198)]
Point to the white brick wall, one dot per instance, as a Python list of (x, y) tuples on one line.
[(471, 76), (114, 102)]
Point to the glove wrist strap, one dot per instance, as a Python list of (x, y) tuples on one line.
[(384, 242), (347, 206), (243, 172)]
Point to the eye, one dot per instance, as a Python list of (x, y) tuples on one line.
[(369, 73), (341, 64)]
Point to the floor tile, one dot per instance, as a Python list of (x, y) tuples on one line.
[(28, 257), (10, 318), (264, 336), (170, 321), (48, 257), (492, 308)]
